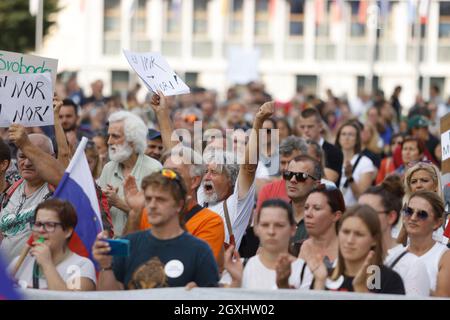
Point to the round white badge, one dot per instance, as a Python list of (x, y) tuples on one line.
[(174, 268)]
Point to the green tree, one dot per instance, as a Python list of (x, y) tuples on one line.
[(18, 26)]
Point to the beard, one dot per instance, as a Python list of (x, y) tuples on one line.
[(121, 153), (213, 198)]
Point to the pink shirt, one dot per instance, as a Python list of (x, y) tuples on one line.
[(275, 189)]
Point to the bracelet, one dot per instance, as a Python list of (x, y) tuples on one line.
[(106, 269)]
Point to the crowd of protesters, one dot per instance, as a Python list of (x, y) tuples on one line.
[(333, 195)]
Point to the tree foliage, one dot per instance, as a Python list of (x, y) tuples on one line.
[(18, 26)]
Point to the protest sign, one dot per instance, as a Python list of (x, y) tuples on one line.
[(242, 65), (156, 73), (12, 62), (26, 99)]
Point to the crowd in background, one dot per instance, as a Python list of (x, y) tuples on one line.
[(338, 187)]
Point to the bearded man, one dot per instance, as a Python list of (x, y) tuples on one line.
[(126, 145)]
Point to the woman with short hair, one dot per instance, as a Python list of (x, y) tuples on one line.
[(50, 263)]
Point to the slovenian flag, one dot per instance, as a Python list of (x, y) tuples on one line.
[(7, 291), (77, 186)]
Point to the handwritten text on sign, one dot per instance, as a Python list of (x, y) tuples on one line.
[(445, 144), (26, 99), (156, 73), (12, 62)]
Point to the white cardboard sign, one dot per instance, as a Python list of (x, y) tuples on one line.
[(13, 62), (242, 65), (156, 73), (26, 99), (445, 145)]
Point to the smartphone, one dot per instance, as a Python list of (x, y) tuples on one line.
[(119, 247)]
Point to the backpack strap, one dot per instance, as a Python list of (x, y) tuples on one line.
[(302, 273), (9, 193), (354, 167), (392, 265)]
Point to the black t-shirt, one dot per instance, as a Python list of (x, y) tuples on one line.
[(185, 259), (431, 145), (333, 158), (390, 282)]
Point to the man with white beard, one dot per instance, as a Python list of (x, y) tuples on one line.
[(227, 186), (126, 145)]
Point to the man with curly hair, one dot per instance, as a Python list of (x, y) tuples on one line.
[(126, 146)]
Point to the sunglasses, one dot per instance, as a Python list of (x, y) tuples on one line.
[(172, 175), (299, 176), (422, 162), (421, 214)]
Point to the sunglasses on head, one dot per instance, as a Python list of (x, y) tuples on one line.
[(299, 176), (421, 214)]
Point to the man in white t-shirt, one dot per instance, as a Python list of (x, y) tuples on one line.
[(227, 186)]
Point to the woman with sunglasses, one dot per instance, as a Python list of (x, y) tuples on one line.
[(323, 209), (422, 215), (360, 266), (386, 200), (358, 171), (50, 263), (423, 176)]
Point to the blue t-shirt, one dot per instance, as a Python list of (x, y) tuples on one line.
[(185, 259)]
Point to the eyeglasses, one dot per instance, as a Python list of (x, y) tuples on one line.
[(299, 176), (48, 226), (421, 214), (424, 162)]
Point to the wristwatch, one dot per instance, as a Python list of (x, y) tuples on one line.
[(106, 269)]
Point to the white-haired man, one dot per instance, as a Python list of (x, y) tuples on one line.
[(126, 146), (39, 171), (229, 188)]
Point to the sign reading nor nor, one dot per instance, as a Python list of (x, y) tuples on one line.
[(26, 99)]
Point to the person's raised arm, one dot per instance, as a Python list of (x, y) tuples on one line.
[(162, 112), (64, 153), (136, 201), (248, 169), (45, 164)]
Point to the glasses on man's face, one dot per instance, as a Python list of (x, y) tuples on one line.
[(421, 214), (299, 176), (49, 226)]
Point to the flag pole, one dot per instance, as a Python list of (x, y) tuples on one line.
[(39, 26)]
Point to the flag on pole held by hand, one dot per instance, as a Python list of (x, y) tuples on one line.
[(77, 186)]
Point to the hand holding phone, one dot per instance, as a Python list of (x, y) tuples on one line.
[(119, 247)]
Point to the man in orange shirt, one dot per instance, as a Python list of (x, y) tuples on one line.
[(200, 222)]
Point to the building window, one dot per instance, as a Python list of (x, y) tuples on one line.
[(139, 38), (119, 83), (173, 17), (200, 23), (357, 29), (191, 79), (235, 22), (261, 18), (444, 20), (296, 17), (308, 83), (111, 27)]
